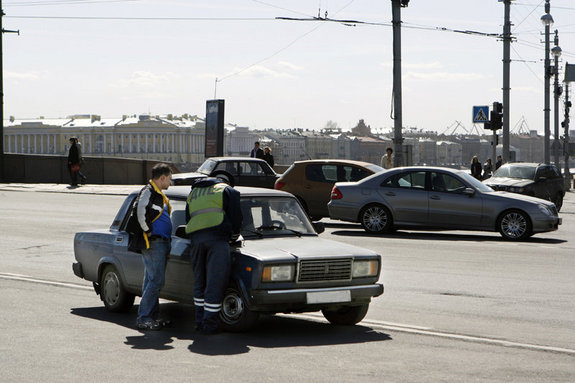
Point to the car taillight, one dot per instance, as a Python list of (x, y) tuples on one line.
[(335, 193), (278, 185)]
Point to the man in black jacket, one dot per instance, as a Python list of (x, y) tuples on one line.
[(257, 152), (153, 212), (74, 162), (214, 218)]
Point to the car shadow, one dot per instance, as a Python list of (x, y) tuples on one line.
[(270, 332), (442, 236)]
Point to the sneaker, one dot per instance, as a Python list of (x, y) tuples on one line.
[(150, 325)]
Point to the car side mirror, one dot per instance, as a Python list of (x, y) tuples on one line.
[(181, 232), (237, 242), (319, 227), (469, 192)]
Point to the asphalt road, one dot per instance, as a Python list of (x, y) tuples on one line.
[(458, 306)]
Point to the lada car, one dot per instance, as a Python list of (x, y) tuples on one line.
[(238, 171), (534, 179), (280, 264)]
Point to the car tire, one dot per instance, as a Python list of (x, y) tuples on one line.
[(224, 176), (376, 219), (514, 225), (235, 315), (347, 315), (558, 201), (112, 291)]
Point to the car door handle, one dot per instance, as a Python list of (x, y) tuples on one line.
[(435, 197), (119, 239), (391, 194)]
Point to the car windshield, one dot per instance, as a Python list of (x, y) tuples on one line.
[(207, 166), (274, 216), (516, 171), (475, 182), (263, 217)]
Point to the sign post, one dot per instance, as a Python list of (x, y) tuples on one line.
[(214, 128)]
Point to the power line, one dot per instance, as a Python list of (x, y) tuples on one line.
[(143, 18), (64, 2)]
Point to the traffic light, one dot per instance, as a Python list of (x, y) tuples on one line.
[(496, 120)]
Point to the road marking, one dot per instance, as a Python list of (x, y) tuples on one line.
[(405, 328), (397, 327), (27, 278)]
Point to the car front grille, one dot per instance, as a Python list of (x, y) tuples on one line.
[(325, 270)]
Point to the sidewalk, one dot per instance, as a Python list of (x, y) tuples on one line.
[(65, 188)]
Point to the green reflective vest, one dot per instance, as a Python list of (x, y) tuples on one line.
[(206, 207)]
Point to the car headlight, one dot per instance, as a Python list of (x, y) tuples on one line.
[(515, 189), (545, 210), (367, 268), (278, 273)]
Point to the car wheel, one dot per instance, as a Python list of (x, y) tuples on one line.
[(112, 291), (375, 219), (558, 201), (514, 225), (235, 315), (347, 315)]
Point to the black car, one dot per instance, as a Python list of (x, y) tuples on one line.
[(537, 180), (239, 171)]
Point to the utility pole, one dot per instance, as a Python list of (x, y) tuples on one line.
[(2, 31), (396, 6), (566, 145), (556, 92), (506, 78), (547, 20)]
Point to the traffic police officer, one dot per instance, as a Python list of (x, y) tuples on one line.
[(214, 218)]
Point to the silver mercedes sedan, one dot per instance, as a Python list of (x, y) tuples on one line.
[(422, 197)]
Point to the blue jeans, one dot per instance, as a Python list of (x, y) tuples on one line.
[(155, 259)]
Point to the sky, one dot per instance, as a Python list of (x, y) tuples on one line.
[(124, 57)]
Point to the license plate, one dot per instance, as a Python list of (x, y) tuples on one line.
[(329, 297)]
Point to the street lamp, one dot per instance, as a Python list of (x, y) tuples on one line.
[(547, 21), (556, 52)]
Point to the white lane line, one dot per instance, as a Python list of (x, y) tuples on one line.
[(26, 278), (405, 328), (430, 332)]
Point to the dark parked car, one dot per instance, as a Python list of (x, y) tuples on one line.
[(537, 180), (240, 171), (311, 181), (422, 197), (280, 265)]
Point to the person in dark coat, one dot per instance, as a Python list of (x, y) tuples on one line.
[(499, 162), (268, 156), (74, 162), (476, 168), (257, 152)]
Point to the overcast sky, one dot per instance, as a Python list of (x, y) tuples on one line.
[(276, 73)]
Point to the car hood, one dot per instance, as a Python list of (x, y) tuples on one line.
[(305, 247), (520, 198), (507, 181), (188, 175)]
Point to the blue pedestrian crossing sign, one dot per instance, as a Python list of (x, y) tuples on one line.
[(480, 114)]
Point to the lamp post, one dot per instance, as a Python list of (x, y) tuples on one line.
[(547, 20), (556, 52)]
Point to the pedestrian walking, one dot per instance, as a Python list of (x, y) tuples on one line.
[(499, 162), (487, 169), (214, 218), (387, 159), (74, 162), (268, 157), (476, 168), (153, 241)]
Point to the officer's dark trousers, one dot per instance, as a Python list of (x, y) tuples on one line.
[(212, 265)]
